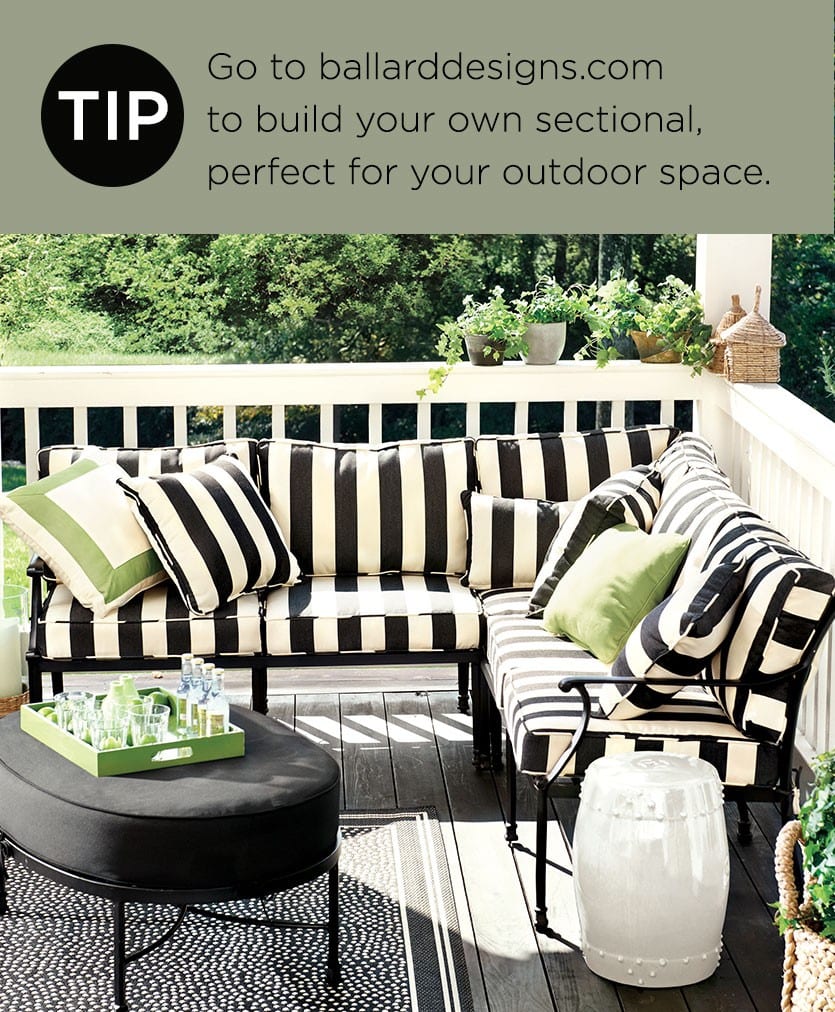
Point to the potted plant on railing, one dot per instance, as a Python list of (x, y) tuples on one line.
[(670, 328), (673, 328), (809, 926), (547, 310), (611, 315), (489, 330)]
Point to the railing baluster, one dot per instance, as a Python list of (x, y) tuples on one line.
[(230, 421), (180, 425), (278, 429), (424, 419), (520, 418), (31, 441), (618, 414), (130, 426), (569, 416), (326, 423), (375, 423), (473, 418), (668, 412), (79, 426)]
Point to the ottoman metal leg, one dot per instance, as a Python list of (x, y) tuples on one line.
[(333, 971), (4, 905), (464, 686), (120, 1003)]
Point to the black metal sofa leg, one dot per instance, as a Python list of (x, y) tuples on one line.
[(541, 921), (481, 719), (511, 829), (259, 689), (743, 826), (464, 686)]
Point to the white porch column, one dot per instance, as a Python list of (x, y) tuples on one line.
[(729, 265)]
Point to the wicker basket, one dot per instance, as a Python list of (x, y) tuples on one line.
[(732, 316), (809, 963), (11, 704), (752, 348)]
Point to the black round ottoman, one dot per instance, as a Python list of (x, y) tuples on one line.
[(204, 833)]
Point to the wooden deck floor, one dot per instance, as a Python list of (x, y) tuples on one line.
[(402, 749)]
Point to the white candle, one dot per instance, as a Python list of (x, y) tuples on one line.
[(9, 657)]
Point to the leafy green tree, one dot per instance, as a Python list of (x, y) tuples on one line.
[(803, 305)]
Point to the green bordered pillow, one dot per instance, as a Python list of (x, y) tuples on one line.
[(79, 522), (507, 538), (213, 532), (621, 576)]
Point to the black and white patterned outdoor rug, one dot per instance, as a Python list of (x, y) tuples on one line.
[(399, 941)]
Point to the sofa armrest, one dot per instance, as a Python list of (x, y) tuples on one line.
[(576, 681)]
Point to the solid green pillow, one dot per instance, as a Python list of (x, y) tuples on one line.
[(621, 576)]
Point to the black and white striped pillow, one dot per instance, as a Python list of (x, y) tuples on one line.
[(677, 638), (213, 533), (508, 538), (145, 460), (391, 508), (784, 601), (631, 497), (564, 466)]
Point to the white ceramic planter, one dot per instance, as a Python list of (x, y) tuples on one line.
[(546, 342), (651, 869)]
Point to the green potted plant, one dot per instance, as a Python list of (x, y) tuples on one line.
[(670, 328), (546, 311), (673, 328), (489, 330), (809, 927), (611, 314)]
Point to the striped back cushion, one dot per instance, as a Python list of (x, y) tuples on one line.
[(784, 602), (564, 467), (145, 461), (508, 538), (371, 509), (784, 597)]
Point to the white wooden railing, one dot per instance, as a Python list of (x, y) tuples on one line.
[(779, 453)]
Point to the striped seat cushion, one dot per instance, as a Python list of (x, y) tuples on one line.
[(515, 642), (564, 467), (508, 538), (391, 508), (154, 624), (372, 614), (141, 461), (541, 719)]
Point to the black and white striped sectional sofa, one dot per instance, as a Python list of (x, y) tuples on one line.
[(716, 670), (380, 533)]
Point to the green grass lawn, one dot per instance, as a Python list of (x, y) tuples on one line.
[(15, 553)]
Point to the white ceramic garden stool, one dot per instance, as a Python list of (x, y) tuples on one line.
[(651, 868)]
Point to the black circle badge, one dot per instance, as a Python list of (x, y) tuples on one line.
[(112, 115)]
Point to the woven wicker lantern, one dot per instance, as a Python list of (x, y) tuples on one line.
[(732, 316), (752, 348)]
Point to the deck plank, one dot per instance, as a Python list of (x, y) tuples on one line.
[(367, 774), (419, 782), (510, 959), (317, 717), (573, 985)]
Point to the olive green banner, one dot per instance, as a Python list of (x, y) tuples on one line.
[(453, 116)]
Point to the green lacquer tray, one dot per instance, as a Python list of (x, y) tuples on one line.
[(134, 758)]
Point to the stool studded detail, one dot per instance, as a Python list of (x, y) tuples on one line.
[(651, 869), (184, 835)]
